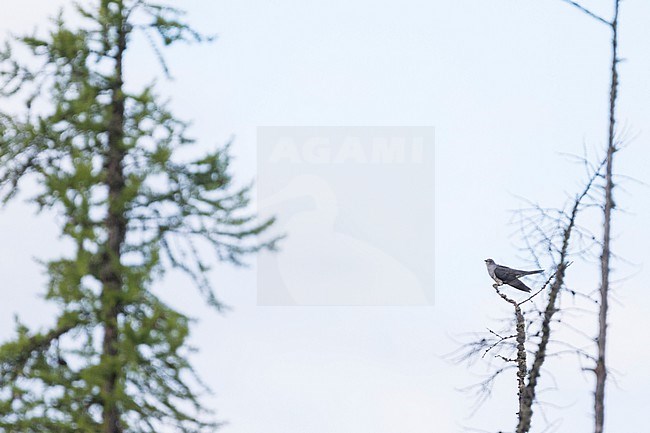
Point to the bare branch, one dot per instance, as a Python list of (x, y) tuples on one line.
[(588, 12)]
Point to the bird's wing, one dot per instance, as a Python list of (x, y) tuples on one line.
[(518, 285), (506, 274)]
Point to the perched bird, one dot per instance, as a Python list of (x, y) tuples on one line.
[(504, 275)]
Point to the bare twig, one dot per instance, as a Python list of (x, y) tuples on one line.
[(500, 340), (588, 12), (542, 288)]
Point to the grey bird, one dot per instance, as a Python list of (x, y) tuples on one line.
[(505, 275)]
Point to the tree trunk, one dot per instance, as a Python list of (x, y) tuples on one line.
[(116, 231), (525, 411), (601, 369)]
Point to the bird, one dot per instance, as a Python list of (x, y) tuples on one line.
[(505, 275)]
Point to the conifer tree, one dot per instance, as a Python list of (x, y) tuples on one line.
[(107, 160)]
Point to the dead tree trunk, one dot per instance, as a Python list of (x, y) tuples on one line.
[(520, 360), (525, 412), (600, 369)]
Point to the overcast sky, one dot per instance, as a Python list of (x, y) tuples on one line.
[(508, 86)]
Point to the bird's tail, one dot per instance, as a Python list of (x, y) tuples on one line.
[(538, 271)]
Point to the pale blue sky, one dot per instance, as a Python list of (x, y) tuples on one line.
[(508, 85)]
